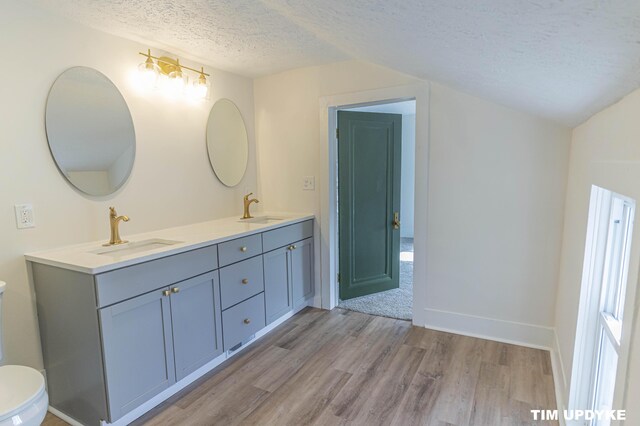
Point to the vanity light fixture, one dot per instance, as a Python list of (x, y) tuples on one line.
[(168, 74)]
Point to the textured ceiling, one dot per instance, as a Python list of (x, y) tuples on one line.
[(245, 37), (562, 59)]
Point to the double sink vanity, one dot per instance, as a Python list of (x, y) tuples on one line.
[(124, 327), (123, 324)]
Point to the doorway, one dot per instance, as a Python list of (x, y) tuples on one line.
[(375, 191)]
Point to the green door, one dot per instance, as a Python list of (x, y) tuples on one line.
[(369, 149)]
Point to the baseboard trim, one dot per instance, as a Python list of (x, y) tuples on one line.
[(61, 415), (559, 377), (529, 335)]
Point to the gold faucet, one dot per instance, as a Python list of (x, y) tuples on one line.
[(247, 203), (114, 221)]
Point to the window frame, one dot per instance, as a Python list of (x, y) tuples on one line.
[(596, 318)]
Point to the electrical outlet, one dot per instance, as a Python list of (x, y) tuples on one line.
[(309, 183), (24, 216)]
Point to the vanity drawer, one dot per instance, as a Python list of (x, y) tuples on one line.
[(239, 249), (242, 321), (115, 286), (240, 281), (286, 235)]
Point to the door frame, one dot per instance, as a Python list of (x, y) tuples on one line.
[(329, 250)]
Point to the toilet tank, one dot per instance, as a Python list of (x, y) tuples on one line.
[(2, 286)]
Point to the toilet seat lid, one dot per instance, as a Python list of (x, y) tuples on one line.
[(19, 386)]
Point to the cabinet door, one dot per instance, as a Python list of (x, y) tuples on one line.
[(138, 350), (197, 329), (277, 289), (301, 257)]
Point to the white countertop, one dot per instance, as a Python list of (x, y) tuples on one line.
[(79, 257)]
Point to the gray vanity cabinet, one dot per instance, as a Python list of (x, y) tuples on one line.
[(154, 340), (138, 350), (288, 268), (277, 285), (196, 323), (288, 278), (302, 272)]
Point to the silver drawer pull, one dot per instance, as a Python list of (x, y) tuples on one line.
[(175, 290), (245, 281), (247, 321), (243, 248), (166, 293)]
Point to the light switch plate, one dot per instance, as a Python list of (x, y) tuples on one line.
[(309, 183), (24, 216)]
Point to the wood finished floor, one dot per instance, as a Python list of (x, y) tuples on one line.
[(347, 368)]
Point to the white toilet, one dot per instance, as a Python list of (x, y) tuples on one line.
[(23, 400)]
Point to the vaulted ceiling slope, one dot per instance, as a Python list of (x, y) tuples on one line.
[(561, 59)]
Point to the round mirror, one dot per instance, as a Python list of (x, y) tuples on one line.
[(227, 142), (90, 131)]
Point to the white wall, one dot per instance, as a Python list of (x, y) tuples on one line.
[(496, 189), (286, 108), (604, 152), (496, 199), (171, 184)]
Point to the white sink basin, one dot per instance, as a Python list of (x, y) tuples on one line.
[(262, 219), (134, 247)]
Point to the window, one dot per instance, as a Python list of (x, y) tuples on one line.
[(602, 296)]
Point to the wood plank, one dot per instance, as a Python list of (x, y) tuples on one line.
[(392, 386), (367, 359), (417, 407), (302, 401), (373, 347), (491, 394), (51, 420), (459, 382)]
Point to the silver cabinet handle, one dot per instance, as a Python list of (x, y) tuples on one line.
[(243, 249), (245, 281), (247, 321)]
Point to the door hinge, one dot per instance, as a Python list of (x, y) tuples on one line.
[(338, 278), (337, 133)]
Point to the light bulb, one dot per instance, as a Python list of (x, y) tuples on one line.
[(177, 81), (200, 88), (148, 73)]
